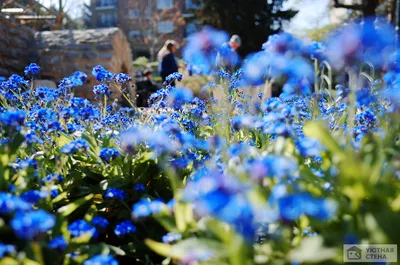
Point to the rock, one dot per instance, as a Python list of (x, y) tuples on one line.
[(63, 52)]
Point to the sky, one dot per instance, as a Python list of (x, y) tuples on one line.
[(74, 7), (312, 13)]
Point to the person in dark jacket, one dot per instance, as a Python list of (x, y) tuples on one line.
[(169, 64), (145, 86)]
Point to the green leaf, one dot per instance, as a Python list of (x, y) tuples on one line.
[(9, 261), (160, 248), (317, 130), (193, 246), (68, 209), (62, 140), (183, 215), (28, 262), (312, 250)]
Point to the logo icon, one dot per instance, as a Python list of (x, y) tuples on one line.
[(354, 253)]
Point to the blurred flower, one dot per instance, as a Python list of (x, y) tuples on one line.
[(99, 222), (356, 43), (309, 147), (74, 146), (6, 249), (30, 224), (81, 227), (124, 228), (13, 120), (53, 178), (294, 205), (179, 96), (171, 237), (33, 196), (58, 243), (10, 203), (115, 194), (145, 207), (139, 187), (202, 48), (101, 260)]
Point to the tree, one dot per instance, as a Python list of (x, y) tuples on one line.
[(368, 8), (148, 21), (252, 20)]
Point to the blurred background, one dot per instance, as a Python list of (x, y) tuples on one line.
[(147, 24)]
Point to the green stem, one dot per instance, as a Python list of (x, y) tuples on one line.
[(105, 107)]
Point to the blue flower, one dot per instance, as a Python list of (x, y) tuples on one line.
[(179, 96), (53, 178), (32, 70), (141, 209), (172, 77), (294, 205), (171, 237), (99, 222), (102, 90), (364, 42), (101, 260), (365, 97), (309, 147), (122, 78), (124, 228), (58, 243), (10, 203), (115, 193), (6, 249), (32, 138), (201, 49), (54, 193), (13, 119), (109, 154), (102, 75), (139, 187), (74, 146), (81, 227), (28, 225), (33, 196)]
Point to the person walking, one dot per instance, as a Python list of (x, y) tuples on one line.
[(227, 57), (145, 86), (169, 63)]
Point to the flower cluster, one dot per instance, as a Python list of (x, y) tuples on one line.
[(235, 176)]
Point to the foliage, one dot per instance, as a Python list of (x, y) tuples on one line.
[(235, 180)]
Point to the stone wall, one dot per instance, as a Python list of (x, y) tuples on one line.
[(61, 53), (15, 43)]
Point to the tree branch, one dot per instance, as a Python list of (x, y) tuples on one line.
[(354, 7)]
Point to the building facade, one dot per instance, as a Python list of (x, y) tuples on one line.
[(147, 23)]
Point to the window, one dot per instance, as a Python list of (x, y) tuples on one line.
[(165, 27), (106, 3), (165, 4), (135, 34), (108, 20), (134, 13)]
